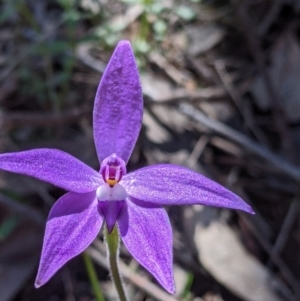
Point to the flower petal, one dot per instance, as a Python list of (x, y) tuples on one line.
[(72, 225), (110, 211), (118, 109), (53, 166), (147, 234), (168, 184)]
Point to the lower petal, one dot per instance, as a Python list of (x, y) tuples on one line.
[(147, 234), (72, 225), (110, 211)]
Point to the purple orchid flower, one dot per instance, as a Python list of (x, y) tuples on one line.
[(133, 201)]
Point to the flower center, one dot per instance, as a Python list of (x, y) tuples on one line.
[(107, 193), (112, 169)]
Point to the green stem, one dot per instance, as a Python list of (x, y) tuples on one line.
[(90, 268), (112, 240)]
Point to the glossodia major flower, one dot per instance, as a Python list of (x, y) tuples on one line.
[(132, 201)]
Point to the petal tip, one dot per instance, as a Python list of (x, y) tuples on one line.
[(38, 284), (248, 209), (41, 279), (110, 227), (171, 290), (124, 43), (167, 284), (251, 211)]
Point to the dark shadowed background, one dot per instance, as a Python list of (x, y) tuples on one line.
[(221, 84)]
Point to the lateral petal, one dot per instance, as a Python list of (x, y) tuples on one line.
[(147, 234), (167, 184), (72, 225), (118, 108), (53, 166)]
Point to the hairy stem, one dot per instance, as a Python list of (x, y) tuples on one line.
[(92, 276), (112, 240)]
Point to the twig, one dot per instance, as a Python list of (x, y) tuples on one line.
[(141, 282), (197, 150), (270, 17), (82, 52), (227, 82), (38, 119), (177, 76), (226, 146), (278, 113), (245, 142), (286, 227), (202, 69), (123, 20), (181, 93), (286, 272)]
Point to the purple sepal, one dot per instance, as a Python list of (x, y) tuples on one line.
[(147, 234), (53, 166), (118, 109), (168, 184), (72, 225), (110, 211)]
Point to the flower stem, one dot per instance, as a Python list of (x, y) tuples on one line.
[(90, 268), (112, 240)]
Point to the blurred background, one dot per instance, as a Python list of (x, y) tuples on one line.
[(221, 84)]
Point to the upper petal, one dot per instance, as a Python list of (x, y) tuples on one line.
[(147, 234), (118, 108), (168, 184), (53, 166), (72, 225)]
